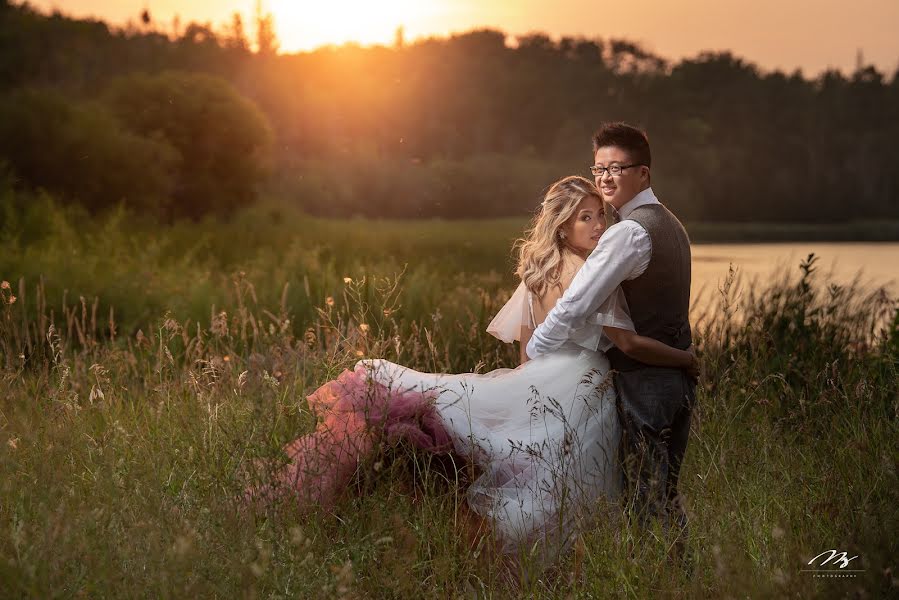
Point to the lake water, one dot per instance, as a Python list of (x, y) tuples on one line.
[(878, 263)]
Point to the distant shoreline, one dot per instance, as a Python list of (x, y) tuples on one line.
[(725, 232), (747, 233)]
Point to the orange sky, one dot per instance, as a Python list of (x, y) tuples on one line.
[(785, 34)]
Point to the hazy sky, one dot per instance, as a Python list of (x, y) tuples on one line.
[(785, 34)]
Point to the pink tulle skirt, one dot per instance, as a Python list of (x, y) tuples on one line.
[(358, 416)]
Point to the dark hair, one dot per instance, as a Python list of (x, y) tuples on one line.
[(626, 137)]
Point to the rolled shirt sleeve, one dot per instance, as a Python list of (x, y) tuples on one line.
[(623, 253)]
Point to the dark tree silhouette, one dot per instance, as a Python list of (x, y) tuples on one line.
[(266, 39)]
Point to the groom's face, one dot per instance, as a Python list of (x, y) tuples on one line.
[(618, 190)]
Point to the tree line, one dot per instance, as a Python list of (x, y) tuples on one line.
[(196, 121)]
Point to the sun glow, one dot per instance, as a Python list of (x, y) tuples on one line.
[(303, 25)]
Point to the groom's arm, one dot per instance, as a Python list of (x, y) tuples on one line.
[(623, 253)]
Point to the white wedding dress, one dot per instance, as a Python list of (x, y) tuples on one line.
[(545, 435)]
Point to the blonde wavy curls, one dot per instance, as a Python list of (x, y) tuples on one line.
[(540, 251)]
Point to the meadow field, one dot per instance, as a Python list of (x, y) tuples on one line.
[(144, 368)]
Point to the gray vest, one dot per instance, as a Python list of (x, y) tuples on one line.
[(659, 299)]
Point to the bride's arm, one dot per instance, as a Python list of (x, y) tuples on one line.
[(526, 334), (652, 352)]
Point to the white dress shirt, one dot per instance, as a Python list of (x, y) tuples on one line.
[(622, 254)]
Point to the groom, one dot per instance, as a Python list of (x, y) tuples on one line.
[(648, 254)]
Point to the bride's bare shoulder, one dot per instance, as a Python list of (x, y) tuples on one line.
[(571, 264), (568, 268)]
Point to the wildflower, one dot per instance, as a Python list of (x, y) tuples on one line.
[(363, 327), (141, 338), (226, 358), (388, 312), (96, 393), (348, 280), (4, 285), (12, 299), (171, 325), (329, 301), (13, 442), (270, 380), (219, 325)]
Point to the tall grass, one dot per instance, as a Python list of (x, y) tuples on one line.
[(141, 270), (129, 421)]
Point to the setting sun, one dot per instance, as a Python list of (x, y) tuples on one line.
[(307, 25)]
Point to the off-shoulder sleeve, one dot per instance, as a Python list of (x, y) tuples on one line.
[(614, 312), (506, 325)]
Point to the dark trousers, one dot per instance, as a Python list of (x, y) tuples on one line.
[(654, 405)]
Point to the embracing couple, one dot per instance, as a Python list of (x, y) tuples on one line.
[(599, 407)]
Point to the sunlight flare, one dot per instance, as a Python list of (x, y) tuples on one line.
[(306, 25)]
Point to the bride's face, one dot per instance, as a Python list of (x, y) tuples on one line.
[(582, 231)]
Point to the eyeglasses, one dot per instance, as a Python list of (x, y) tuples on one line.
[(614, 170)]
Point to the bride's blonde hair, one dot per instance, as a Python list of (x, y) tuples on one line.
[(540, 252)]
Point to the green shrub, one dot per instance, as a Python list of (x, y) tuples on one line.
[(221, 137), (79, 151)]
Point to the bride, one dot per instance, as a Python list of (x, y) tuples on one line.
[(543, 436)]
